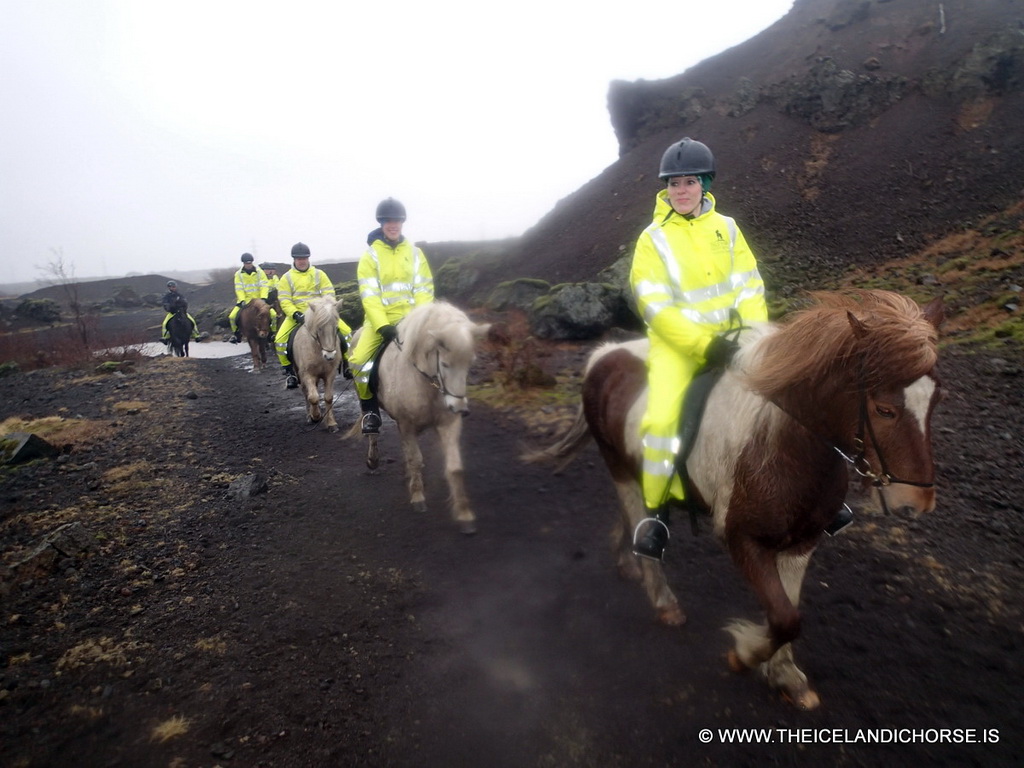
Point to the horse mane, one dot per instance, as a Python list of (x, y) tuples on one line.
[(436, 323), (323, 310), (873, 337)]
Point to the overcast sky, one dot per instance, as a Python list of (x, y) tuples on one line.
[(150, 136)]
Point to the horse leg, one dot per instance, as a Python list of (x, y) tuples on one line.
[(776, 578), (664, 601), (413, 467), (450, 433), (372, 451), (329, 421), (312, 393)]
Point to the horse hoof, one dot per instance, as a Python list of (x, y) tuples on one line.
[(467, 527), (672, 617), (332, 429), (372, 463), (419, 506), (804, 699)]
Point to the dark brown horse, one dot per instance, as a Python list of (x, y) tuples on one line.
[(179, 331), (846, 383), (254, 325)]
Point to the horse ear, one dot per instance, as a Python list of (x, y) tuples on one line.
[(935, 312), (480, 330), (859, 329)]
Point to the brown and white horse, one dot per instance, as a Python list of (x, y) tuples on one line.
[(422, 385), (847, 382), (254, 325), (316, 348)]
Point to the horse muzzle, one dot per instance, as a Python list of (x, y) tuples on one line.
[(459, 405), (907, 500), (328, 356)]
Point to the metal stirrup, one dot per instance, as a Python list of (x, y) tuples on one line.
[(636, 531)]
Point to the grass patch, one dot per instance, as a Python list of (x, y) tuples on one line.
[(58, 429)]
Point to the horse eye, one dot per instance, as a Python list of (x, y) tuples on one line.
[(885, 413)]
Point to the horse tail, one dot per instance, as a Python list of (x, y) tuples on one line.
[(566, 448)]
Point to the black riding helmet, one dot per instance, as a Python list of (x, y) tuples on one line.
[(390, 209), (300, 251), (687, 157), (247, 258)]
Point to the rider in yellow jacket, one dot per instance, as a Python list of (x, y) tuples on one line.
[(694, 277), (250, 283), (296, 288), (394, 277), (270, 270)]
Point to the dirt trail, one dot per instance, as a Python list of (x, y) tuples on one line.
[(323, 623)]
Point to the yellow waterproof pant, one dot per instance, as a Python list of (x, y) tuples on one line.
[(668, 375), (285, 330), (163, 328), (233, 319), (360, 359)]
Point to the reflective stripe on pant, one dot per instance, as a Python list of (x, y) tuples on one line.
[(281, 339), (667, 377), (360, 359), (233, 318)]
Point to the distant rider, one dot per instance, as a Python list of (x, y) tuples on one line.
[(172, 302), (270, 270), (296, 288), (250, 283), (394, 277)]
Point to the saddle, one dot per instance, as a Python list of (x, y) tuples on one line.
[(689, 425), (374, 379)]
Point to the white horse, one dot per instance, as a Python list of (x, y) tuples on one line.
[(422, 384), (317, 354)]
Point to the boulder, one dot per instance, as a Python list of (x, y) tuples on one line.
[(516, 294), (248, 486), (17, 447), (579, 311)]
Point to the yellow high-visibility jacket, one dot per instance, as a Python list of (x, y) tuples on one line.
[(393, 280), (250, 285), (688, 274), (296, 289)]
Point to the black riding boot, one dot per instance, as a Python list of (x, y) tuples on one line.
[(371, 415), (651, 543), (292, 380)]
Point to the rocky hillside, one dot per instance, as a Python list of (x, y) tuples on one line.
[(851, 132)]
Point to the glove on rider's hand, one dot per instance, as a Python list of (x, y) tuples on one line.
[(720, 351), (299, 318), (388, 332), (241, 304)]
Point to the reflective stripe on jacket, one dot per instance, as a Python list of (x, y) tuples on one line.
[(393, 280), (251, 285), (688, 274), (296, 289)]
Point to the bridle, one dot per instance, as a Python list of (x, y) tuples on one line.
[(859, 460)]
